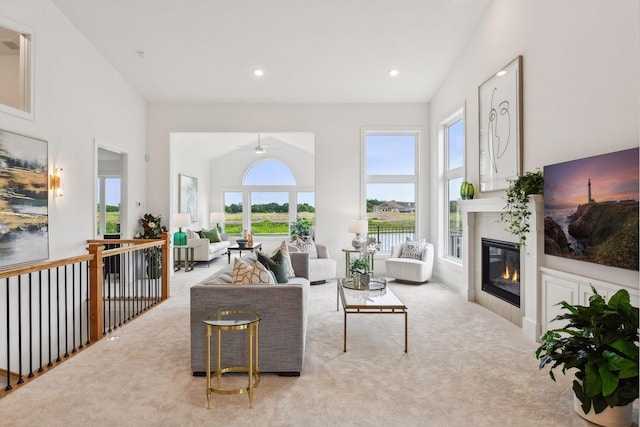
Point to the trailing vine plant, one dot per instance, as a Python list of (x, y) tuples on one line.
[(516, 213)]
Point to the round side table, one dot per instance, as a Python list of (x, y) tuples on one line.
[(234, 320)]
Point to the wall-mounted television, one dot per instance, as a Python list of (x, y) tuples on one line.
[(591, 209)]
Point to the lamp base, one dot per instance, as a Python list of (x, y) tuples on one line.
[(179, 238), (357, 242)]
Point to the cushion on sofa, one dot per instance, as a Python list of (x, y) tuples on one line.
[(285, 251), (305, 245), (245, 274), (276, 264), (191, 234), (212, 235)]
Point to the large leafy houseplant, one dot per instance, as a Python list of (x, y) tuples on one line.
[(600, 342), (517, 212), (301, 227)]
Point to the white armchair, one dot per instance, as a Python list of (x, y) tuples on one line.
[(410, 270)]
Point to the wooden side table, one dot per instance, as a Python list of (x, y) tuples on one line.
[(234, 320)]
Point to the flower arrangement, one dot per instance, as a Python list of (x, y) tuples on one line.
[(151, 228)]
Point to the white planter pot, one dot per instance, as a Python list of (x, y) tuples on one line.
[(618, 416)]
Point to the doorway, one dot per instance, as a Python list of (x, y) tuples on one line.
[(110, 189)]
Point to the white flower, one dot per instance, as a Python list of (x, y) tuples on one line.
[(152, 224)]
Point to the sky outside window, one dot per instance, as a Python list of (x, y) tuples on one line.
[(391, 154)]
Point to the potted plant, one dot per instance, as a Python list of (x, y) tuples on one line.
[(152, 229), (517, 212), (301, 227), (359, 270), (600, 342)]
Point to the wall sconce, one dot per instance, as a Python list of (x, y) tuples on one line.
[(181, 220), (217, 218), (358, 226), (55, 182)]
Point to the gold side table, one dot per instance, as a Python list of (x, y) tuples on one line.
[(234, 320)]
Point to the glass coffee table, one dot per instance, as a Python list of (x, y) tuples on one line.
[(377, 299)]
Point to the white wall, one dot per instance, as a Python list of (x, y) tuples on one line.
[(79, 97), (337, 149), (581, 80)]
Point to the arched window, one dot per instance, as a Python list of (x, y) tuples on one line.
[(269, 172), (268, 201)]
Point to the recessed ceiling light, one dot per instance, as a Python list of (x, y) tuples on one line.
[(394, 72), (258, 72)]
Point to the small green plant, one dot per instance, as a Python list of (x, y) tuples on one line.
[(517, 213), (359, 266), (301, 227), (600, 341)]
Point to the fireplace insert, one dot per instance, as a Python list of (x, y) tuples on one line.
[(501, 270)]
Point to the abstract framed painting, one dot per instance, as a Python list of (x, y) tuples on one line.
[(24, 200), (189, 196), (500, 127)]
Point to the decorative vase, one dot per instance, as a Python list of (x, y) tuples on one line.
[(364, 280), (250, 241), (618, 416)]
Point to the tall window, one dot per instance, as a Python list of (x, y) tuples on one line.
[(453, 138), (108, 208), (16, 69), (268, 201), (391, 185)]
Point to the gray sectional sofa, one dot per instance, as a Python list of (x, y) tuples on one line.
[(283, 328)]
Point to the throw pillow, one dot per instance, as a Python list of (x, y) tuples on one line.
[(192, 234), (287, 257), (306, 245), (245, 274), (212, 235), (413, 250), (276, 264)]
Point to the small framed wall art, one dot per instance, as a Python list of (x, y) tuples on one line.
[(500, 127), (189, 196)]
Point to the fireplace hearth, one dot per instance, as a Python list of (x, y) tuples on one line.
[(501, 270)]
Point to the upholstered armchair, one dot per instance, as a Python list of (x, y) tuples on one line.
[(410, 270)]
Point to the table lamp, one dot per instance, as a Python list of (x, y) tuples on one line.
[(358, 226), (217, 218), (181, 220)]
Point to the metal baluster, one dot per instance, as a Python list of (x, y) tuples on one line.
[(58, 359), (40, 369), (30, 330), (73, 311), (49, 364), (8, 387), (87, 302), (66, 313), (20, 379)]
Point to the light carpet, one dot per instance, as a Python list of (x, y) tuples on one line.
[(465, 367)]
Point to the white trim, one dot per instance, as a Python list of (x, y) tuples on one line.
[(28, 92)]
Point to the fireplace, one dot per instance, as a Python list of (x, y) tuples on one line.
[(501, 270)]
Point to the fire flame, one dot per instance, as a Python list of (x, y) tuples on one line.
[(507, 275)]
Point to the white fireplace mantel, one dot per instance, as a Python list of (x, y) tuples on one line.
[(531, 257)]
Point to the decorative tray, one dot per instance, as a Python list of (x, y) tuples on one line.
[(375, 283)]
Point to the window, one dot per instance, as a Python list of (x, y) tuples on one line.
[(16, 69), (268, 201), (453, 141), (108, 209), (390, 185)]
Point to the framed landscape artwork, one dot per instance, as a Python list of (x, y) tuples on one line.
[(24, 200), (189, 196), (591, 209), (500, 127)]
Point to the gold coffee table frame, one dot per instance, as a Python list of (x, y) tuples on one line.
[(234, 320), (372, 301)]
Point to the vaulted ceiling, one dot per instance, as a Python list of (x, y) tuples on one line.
[(316, 51)]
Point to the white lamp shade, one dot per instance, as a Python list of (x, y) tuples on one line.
[(182, 220), (358, 226), (216, 217)]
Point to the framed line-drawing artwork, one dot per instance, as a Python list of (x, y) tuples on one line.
[(24, 200), (189, 196), (500, 127)]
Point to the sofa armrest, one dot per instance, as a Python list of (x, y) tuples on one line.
[(201, 249), (300, 264), (225, 237)]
